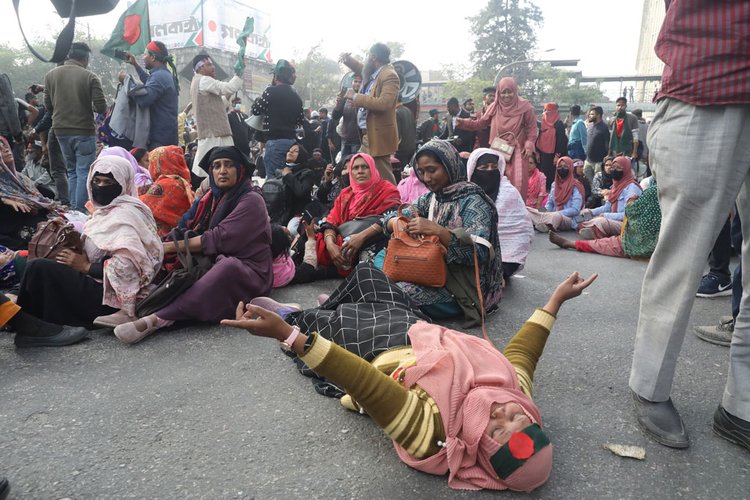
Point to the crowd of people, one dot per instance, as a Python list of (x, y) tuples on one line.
[(147, 205)]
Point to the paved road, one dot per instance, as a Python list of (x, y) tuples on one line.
[(209, 412)]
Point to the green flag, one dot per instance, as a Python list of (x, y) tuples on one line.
[(132, 32), (247, 30)]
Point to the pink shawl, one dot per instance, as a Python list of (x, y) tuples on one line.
[(411, 189), (124, 230), (547, 138), (283, 270), (465, 375), (537, 188)]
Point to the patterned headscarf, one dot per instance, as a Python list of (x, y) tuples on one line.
[(447, 155)]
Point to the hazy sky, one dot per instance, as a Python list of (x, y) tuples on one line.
[(603, 34)]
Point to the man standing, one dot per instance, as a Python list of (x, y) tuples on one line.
[(430, 127), (702, 113), (464, 139), (377, 113), (350, 138), (70, 92), (208, 108), (468, 107), (407, 137), (597, 143), (158, 93), (281, 108), (242, 134), (578, 140), (483, 136), (325, 122), (625, 132)]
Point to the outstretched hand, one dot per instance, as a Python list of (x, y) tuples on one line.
[(572, 287), (260, 322)]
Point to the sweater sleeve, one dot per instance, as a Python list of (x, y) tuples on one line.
[(208, 85), (525, 348), (410, 420)]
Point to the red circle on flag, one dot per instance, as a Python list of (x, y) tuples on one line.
[(521, 446), (212, 25)]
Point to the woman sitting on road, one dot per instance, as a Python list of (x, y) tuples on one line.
[(607, 219), (355, 221), (231, 227), (564, 203), (122, 254), (601, 184), (460, 214), (451, 403), (171, 194), (486, 168), (142, 178), (298, 180), (22, 206), (34, 332)]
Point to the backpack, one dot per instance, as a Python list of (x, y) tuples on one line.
[(274, 194)]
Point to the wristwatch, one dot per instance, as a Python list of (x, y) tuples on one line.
[(289, 342)]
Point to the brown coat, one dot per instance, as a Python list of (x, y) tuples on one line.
[(382, 131)]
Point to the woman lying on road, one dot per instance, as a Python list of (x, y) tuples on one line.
[(451, 402)]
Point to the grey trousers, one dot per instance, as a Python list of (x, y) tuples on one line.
[(701, 159)]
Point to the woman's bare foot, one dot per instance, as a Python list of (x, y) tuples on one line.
[(560, 241)]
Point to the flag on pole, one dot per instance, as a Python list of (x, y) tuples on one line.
[(132, 32), (247, 30)]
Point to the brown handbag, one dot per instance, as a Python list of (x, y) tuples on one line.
[(416, 260), (53, 236)]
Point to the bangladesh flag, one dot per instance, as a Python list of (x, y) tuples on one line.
[(132, 32)]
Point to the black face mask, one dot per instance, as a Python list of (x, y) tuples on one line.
[(617, 174), (563, 173), (103, 195), (345, 180), (488, 180)]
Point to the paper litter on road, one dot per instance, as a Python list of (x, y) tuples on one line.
[(627, 451)]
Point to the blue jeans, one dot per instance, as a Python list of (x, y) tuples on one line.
[(79, 152), (349, 148), (274, 157)]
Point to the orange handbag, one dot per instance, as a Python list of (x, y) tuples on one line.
[(418, 260)]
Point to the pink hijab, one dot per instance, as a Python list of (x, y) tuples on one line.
[(465, 376), (411, 189), (126, 231), (547, 138), (507, 117)]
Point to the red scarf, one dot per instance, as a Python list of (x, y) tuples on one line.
[(564, 187), (547, 138), (619, 186)]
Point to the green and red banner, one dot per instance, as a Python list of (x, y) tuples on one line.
[(132, 32)]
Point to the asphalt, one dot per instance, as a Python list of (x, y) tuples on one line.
[(211, 412)]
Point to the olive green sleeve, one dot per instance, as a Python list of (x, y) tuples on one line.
[(525, 348)]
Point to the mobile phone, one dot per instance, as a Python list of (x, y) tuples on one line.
[(122, 54)]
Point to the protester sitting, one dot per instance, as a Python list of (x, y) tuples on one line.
[(142, 177), (170, 195), (298, 181), (511, 119), (638, 238), (292, 269), (231, 227), (411, 188), (601, 184), (37, 171), (537, 185), (334, 180), (22, 206), (564, 203), (34, 332), (451, 403), (578, 172), (486, 168), (608, 218), (459, 213), (354, 222), (122, 254)]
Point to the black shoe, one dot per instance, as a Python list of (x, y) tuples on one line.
[(661, 422), (732, 428), (68, 335), (4, 488)]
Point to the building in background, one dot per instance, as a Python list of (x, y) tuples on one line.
[(646, 61)]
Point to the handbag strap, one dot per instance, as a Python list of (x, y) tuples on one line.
[(481, 298), (513, 136)]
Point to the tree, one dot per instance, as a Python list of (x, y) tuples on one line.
[(543, 83), (318, 79), (469, 88), (397, 49), (505, 32)]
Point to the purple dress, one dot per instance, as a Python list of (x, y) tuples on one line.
[(241, 245)]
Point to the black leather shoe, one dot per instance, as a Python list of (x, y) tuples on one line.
[(4, 488), (732, 428), (661, 422), (68, 335)]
